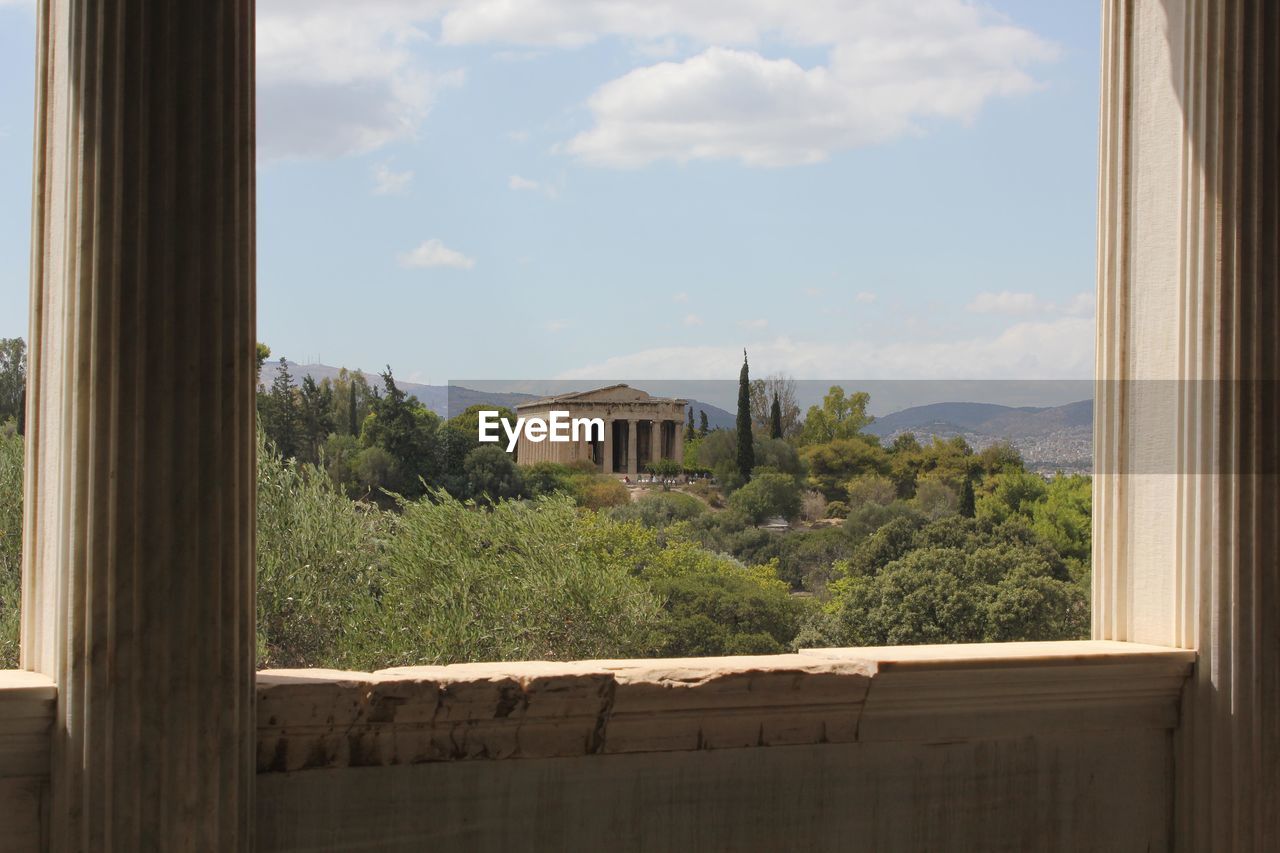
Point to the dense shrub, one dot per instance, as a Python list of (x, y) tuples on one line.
[(715, 605), (955, 580), (491, 475), (768, 494), (10, 544), (595, 491), (520, 581), (543, 479), (659, 509), (724, 614), (318, 571)]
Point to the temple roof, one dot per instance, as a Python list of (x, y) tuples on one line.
[(620, 393)]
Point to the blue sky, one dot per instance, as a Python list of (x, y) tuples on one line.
[(633, 189)]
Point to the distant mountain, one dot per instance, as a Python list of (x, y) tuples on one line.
[(949, 418), (442, 399), (717, 418), (1052, 438)]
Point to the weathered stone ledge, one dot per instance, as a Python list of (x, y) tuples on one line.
[(26, 715), (931, 694), (322, 718)]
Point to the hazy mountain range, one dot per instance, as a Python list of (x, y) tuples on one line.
[(1050, 438), (452, 399)]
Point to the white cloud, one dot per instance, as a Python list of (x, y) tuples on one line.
[(865, 298), (813, 292), (387, 182), (337, 77), (1061, 349), (556, 326), (680, 297), (1023, 304), (692, 320), (1081, 305), (519, 55), (1005, 302), (548, 188), (892, 69), (518, 135), (434, 253), (755, 324)]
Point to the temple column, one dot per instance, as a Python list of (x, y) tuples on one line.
[(677, 443), (1187, 476), (633, 447), (607, 450), (138, 563)]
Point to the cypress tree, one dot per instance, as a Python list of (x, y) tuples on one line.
[(746, 444), (352, 426), (703, 427), (968, 508), (690, 430), (775, 419)]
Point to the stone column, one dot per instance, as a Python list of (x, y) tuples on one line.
[(677, 442), (608, 444), (138, 564), (633, 447), (1188, 458)]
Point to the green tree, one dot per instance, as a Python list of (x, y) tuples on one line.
[(714, 604), (775, 418), (278, 410), (955, 580), (1011, 492), (906, 459), (262, 352), (833, 464), (491, 475), (935, 499), (746, 457), (407, 431), (690, 429), (839, 417), (353, 400), (968, 508), (703, 425), (769, 493), (870, 488), (315, 417), (353, 422), (763, 394), (718, 452), (13, 380)]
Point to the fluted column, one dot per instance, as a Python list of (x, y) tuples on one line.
[(138, 580), (607, 445), (1187, 543), (633, 447), (677, 442)]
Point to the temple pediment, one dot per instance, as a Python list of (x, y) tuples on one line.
[(620, 393)]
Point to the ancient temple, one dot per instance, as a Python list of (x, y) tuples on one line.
[(639, 429)]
